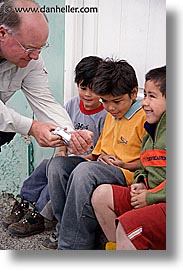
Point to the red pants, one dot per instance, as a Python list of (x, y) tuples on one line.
[(146, 226)]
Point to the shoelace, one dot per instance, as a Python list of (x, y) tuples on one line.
[(26, 218), (17, 212), (31, 212)]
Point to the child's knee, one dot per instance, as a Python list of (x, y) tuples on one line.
[(82, 171), (53, 167), (100, 195)]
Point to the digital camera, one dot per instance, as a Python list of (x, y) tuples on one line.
[(63, 134)]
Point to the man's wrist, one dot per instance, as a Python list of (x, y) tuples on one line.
[(31, 130)]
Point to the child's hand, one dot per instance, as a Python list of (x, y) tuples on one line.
[(80, 142), (136, 187), (107, 159), (61, 154), (139, 200), (117, 162)]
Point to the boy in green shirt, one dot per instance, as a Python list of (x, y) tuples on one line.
[(139, 212)]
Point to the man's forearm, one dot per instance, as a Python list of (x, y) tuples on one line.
[(11, 121)]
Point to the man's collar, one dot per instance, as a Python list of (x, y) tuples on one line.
[(2, 60)]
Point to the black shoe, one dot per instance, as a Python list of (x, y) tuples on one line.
[(51, 242), (32, 223), (20, 208)]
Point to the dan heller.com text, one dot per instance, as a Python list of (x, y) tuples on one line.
[(68, 9)]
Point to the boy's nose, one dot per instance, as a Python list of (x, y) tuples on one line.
[(110, 107), (145, 101), (87, 93)]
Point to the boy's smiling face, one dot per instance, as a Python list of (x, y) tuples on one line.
[(154, 103), (90, 100), (118, 106)]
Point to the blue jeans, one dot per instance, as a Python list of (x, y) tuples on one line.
[(35, 189), (60, 169), (71, 186)]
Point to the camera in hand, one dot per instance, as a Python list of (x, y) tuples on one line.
[(63, 134)]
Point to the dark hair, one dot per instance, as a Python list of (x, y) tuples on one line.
[(115, 77), (86, 69), (158, 76), (9, 17)]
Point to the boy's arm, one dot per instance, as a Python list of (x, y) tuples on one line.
[(157, 194), (140, 174), (112, 160), (131, 166), (140, 196), (154, 195), (91, 157), (62, 152)]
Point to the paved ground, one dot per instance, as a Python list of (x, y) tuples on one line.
[(8, 242)]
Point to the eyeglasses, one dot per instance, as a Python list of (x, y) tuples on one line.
[(29, 50)]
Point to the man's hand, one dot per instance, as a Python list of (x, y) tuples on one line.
[(42, 133), (80, 142)]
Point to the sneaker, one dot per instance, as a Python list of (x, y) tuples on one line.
[(51, 242), (32, 223), (20, 207)]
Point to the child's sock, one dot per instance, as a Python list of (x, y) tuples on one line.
[(110, 246)]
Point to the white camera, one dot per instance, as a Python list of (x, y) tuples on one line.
[(63, 134)]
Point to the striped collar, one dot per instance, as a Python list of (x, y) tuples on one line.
[(137, 105), (134, 108)]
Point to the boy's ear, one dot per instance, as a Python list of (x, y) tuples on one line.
[(134, 93)]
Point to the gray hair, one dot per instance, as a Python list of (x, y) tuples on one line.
[(9, 18)]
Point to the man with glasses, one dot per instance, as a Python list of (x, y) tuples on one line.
[(29, 51), (23, 36)]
